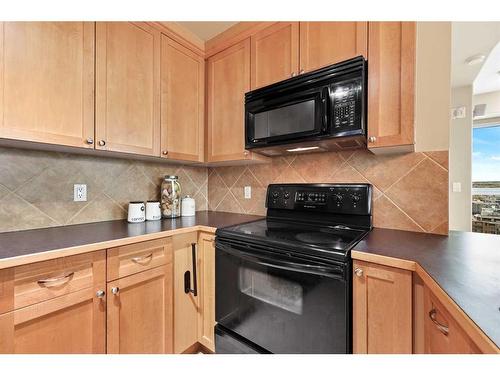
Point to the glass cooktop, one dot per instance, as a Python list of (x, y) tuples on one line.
[(333, 238)]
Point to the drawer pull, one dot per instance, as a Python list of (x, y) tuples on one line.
[(56, 280), (144, 259), (444, 329)]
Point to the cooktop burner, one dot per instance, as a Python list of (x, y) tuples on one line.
[(318, 238), (318, 220), (299, 233)]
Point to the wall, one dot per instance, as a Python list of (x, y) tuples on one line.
[(411, 190), (433, 84), (36, 187), (492, 101), (461, 161)]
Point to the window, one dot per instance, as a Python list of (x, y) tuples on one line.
[(486, 179)]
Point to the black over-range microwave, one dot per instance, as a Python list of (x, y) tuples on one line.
[(317, 111)]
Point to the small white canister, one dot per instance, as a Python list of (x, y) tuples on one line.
[(136, 212), (153, 211), (188, 207)]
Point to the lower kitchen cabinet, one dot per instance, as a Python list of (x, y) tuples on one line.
[(194, 296), (45, 303), (139, 289), (206, 321), (442, 334), (185, 292), (140, 312), (49, 327), (382, 309)]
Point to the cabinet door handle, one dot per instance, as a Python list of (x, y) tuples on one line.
[(358, 272), (444, 329), (102, 143), (187, 275), (56, 280), (115, 290), (143, 259)]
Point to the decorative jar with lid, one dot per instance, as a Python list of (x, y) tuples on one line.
[(170, 197)]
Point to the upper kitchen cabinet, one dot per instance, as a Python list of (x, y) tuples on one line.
[(128, 88), (274, 54), (182, 102), (228, 80), (391, 84), (325, 43), (47, 82)]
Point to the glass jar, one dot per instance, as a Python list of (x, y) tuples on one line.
[(170, 197)]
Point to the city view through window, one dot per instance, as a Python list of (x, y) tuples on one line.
[(486, 179)]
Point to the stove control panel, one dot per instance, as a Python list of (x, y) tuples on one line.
[(332, 198)]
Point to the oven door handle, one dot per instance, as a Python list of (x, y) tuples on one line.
[(326, 270)]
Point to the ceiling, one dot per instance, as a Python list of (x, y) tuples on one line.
[(206, 30), (472, 38), (488, 79)]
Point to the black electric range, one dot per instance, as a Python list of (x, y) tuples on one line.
[(283, 283)]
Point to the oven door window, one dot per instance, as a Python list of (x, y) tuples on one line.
[(281, 310), (285, 119)]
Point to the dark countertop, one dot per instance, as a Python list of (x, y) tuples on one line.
[(31, 242), (465, 265)]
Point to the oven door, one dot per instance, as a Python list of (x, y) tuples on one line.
[(284, 118), (280, 303)]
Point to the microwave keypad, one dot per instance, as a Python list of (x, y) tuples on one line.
[(344, 107)]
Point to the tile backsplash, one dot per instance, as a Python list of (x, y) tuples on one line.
[(410, 190), (36, 187)]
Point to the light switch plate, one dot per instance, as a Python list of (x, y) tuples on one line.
[(79, 193), (248, 192), (457, 187)]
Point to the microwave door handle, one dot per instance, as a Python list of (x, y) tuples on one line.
[(324, 106), (277, 263)]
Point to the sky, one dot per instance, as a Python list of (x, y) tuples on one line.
[(486, 154)]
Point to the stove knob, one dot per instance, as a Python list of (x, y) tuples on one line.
[(356, 198), (286, 195), (275, 194), (339, 197)]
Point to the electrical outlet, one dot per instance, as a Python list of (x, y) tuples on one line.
[(248, 192), (79, 193)]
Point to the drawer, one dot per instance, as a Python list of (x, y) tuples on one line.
[(130, 259), (37, 282)]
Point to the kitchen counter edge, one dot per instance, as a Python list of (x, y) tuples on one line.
[(36, 245)]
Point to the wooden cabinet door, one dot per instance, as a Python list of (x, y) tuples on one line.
[(325, 43), (228, 81), (73, 323), (182, 102), (185, 304), (140, 312), (442, 334), (128, 88), (47, 82), (206, 321), (274, 54), (382, 309), (391, 83)]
